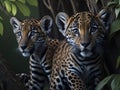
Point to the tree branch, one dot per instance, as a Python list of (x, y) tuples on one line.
[(92, 6), (47, 3), (8, 80), (73, 6)]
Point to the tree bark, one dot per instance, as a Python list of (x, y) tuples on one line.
[(8, 80)]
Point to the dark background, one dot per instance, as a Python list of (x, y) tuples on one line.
[(8, 44)]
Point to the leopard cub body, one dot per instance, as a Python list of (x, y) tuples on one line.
[(78, 63), (34, 42)]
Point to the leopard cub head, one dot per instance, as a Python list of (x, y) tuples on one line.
[(30, 33), (84, 30)]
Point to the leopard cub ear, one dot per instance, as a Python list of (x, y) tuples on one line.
[(15, 23), (105, 18), (61, 21), (46, 24)]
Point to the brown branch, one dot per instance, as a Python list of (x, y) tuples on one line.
[(73, 6), (47, 3), (59, 3), (92, 6), (8, 80), (102, 2), (62, 5)]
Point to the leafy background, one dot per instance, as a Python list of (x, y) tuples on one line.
[(11, 7), (113, 55), (8, 46)]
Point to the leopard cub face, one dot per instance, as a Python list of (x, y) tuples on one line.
[(30, 33)]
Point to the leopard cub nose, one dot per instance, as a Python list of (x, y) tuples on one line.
[(85, 44), (23, 47)]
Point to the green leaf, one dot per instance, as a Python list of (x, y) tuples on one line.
[(103, 82), (1, 28), (117, 11), (33, 2), (115, 26), (116, 1), (115, 84), (112, 3), (96, 1), (22, 1), (8, 6), (1, 18), (23, 8), (118, 62), (12, 0), (14, 9), (2, 3)]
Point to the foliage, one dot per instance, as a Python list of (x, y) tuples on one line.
[(11, 7), (114, 79), (118, 62), (116, 4), (103, 82), (116, 24), (1, 26)]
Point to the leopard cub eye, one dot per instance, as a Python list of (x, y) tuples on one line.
[(32, 33), (75, 31), (93, 29), (18, 33)]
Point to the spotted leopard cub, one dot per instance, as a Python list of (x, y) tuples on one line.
[(78, 63), (33, 41)]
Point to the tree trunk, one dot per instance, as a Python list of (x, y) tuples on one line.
[(8, 80)]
